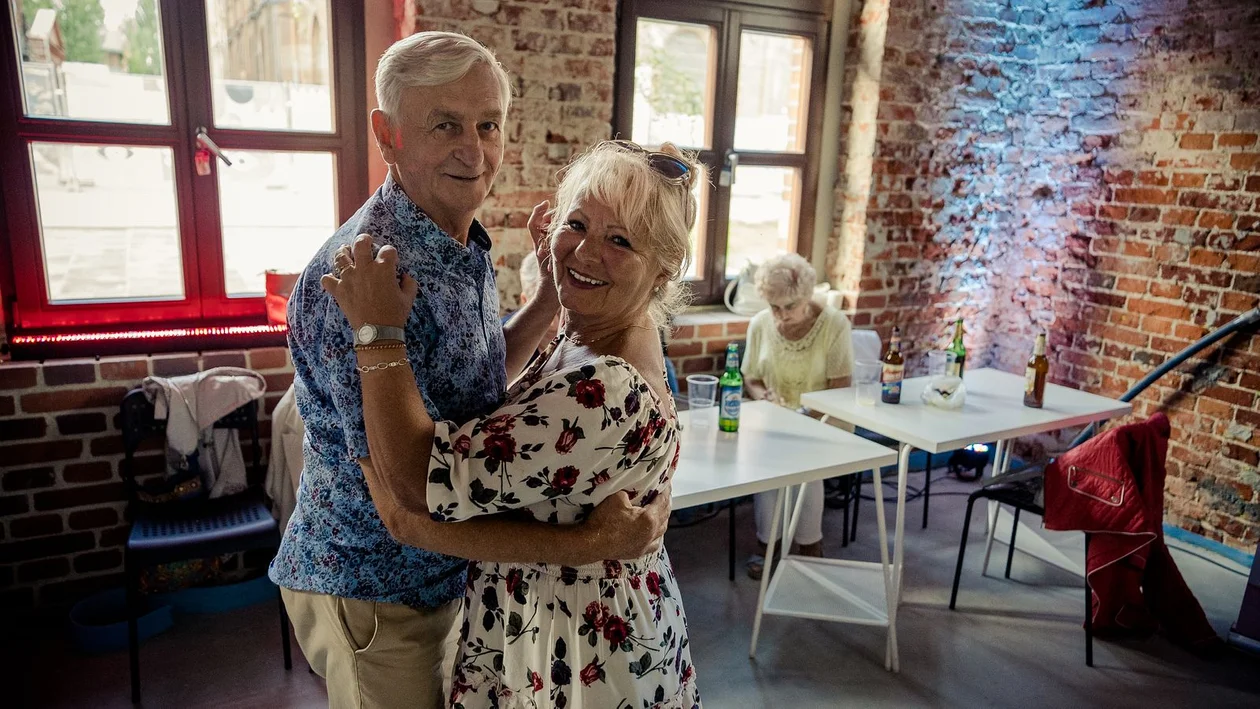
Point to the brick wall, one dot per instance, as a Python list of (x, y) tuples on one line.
[(560, 55), (61, 493), (1089, 167), (699, 341)]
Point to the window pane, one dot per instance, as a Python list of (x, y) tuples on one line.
[(765, 203), (674, 70), (772, 102), (700, 230), (108, 222), (270, 65), (277, 209), (90, 60)]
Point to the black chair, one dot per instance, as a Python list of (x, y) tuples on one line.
[(178, 531), (1021, 491)]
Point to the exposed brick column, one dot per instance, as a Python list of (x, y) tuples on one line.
[(846, 259)]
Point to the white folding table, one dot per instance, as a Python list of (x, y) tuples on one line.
[(776, 449), (992, 411)]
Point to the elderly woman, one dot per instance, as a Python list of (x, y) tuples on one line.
[(795, 346), (591, 417)]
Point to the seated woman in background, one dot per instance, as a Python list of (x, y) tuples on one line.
[(794, 347)]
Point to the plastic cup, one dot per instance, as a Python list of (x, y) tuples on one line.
[(701, 397), (937, 360), (866, 383)]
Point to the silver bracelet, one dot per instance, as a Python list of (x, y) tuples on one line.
[(364, 369)]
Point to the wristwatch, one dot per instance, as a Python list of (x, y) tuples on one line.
[(368, 333)]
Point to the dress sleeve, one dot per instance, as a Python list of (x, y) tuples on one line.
[(751, 366), (575, 435), (840, 351)]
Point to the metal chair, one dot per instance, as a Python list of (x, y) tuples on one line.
[(178, 531), (1021, 491)]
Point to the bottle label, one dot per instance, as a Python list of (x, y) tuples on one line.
[(732, 359), (730, 402), (891, 379), (1030, 380)]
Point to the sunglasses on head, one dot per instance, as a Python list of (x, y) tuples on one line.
[(664, 164)]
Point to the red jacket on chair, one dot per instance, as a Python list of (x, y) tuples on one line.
[(1112, 488)]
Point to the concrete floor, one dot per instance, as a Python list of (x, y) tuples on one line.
[(1015, 643)]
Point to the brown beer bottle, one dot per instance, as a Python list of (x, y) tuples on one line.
[(1035, 374), (894, 370)]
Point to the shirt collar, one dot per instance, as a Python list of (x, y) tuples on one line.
[(414, 220)]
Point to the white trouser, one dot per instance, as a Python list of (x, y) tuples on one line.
[(808, 529)]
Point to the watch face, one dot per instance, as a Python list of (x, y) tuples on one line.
[(367, 333)]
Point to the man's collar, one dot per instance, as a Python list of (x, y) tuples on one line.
[(477, 235), (410, 214)]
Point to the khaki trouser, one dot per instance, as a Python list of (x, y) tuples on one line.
[(374, 654)]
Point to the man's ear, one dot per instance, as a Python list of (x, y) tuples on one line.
[(387, 139)]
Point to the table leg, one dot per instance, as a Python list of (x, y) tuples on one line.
[(899, 548), (765, 574), (790, 535), (1001, 463), (998, 454), (1031, 542), (883, 559), (730, 543)]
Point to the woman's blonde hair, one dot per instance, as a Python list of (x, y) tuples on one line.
[(659, 213), (786, 278)]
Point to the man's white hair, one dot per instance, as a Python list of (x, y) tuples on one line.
[(432, 59)]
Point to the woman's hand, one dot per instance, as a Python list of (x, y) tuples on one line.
[(539, 231), (367, 289)]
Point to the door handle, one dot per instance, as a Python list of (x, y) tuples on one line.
[(727, 177), (206, 142)]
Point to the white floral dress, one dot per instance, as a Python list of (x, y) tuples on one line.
[(603, 636)]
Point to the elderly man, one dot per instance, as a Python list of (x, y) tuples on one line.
[(371, 614)]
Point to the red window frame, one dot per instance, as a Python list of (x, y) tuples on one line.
[(29, 317)]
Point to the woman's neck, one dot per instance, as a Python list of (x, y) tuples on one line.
[(599, 331), (797, 331)]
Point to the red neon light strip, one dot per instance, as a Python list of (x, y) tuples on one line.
[(148, 334)]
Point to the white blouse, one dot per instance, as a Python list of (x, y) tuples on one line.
[(792, 367)]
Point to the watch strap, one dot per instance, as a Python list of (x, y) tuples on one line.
[(389, 332)]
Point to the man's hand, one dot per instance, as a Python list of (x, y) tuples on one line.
[(619, 530)]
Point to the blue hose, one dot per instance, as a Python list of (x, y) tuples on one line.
[(1247, 319)]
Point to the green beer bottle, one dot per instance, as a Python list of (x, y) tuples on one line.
[(956, 368), (731, 390)]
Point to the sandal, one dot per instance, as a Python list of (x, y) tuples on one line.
[(755, 566)]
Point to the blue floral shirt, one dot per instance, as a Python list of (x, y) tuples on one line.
[(335, 542)]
